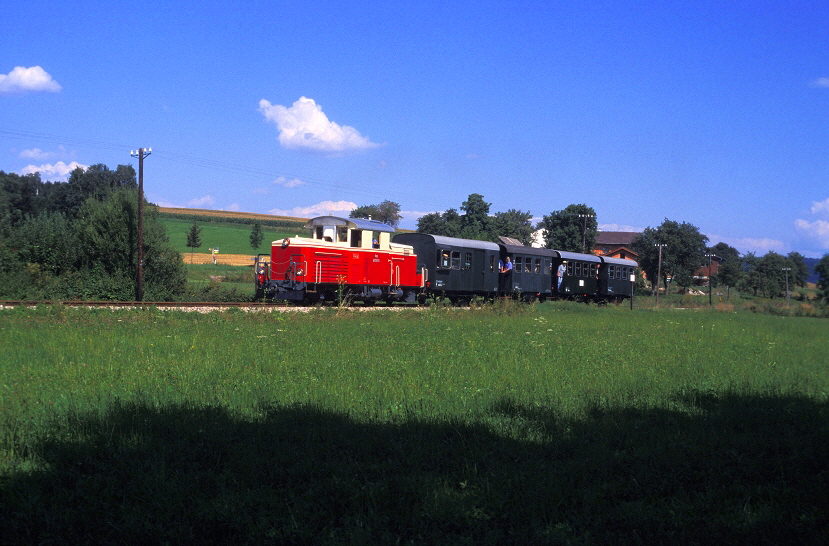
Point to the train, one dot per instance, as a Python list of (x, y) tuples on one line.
[(366, 260)]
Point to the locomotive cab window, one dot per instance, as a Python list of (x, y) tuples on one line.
[(356, 238), (342, 234)]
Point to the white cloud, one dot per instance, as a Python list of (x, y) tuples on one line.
[(620, 227), (49, 171), (304, 126), (817, 230), (201, 201), (821, 82), (233, 207), (334, 208), (285, 183), (28, 79), (757, 245), (820, 206), (36, 154)]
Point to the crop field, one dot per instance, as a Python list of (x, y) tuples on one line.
[(508, 424)]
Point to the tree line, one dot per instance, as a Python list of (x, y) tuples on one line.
[(672, 252), (79, 239)]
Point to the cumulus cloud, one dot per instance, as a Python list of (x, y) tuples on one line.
[(23, 79), (818, 229), (233, 207), (304, 126), (201, 201), (334, 208), (51, 171), (821, 82), (820, 206), (285, 183)]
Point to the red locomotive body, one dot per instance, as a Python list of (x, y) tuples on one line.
[(343, 257)]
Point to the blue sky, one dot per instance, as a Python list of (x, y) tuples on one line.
[(713, 113)]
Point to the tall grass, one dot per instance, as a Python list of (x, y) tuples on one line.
[(543, 424)]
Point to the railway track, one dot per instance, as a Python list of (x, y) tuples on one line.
[(202, 306)]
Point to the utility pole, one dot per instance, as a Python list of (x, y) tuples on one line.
[(709, 256), (141, 153), (584, 229), (658, 270), (787, 269)]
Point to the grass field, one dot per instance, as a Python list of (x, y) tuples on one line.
[(546, 424), (227, 237)]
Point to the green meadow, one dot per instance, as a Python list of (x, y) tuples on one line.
[(508, 424), (229, 238)]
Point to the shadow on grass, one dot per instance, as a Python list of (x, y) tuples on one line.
[(733, 469)]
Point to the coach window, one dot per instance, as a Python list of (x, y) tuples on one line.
[(537, 266), (467, 260), (443, 258), (611, 271), (570, 269), (528, 265), (519, 264), (578, 269), (456, 259), (492, 263)]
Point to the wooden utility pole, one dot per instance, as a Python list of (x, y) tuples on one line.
[(140, 154)]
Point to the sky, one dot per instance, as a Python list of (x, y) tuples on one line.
[(712, 113)]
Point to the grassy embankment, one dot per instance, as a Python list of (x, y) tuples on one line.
[(548, 424)]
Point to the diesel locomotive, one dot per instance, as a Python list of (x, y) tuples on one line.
[(360, 259)]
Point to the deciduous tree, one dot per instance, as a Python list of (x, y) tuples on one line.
[(572, 229), (682, 255)]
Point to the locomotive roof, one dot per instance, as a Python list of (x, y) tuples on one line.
[(350, 223)]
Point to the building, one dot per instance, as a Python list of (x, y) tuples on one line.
[(615, 244)]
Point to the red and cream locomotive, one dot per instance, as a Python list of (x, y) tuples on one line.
[(343, 256)]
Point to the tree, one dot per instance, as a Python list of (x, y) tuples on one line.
[(97, 181), (730, 269), (822, 270), (573, 229), (682, 255), (387, 212), (256, 236), (447, 224), (475, 221), (193, 239), (800, 269), (107, 234), (513, 223)]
